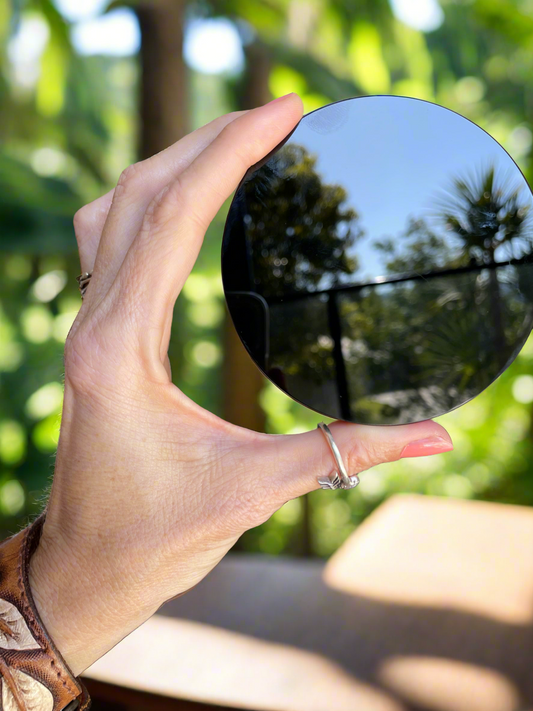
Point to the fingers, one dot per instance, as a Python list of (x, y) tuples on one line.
[(136, 188), (89, 223), (168, 243), (293, 463)]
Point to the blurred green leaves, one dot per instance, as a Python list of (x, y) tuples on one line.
[(68, 133)]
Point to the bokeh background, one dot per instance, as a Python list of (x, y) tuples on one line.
[(88, 87)]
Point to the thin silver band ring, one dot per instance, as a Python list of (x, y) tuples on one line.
[(83, 282), (339, 478)]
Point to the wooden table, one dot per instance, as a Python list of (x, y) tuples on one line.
[(427, 606)]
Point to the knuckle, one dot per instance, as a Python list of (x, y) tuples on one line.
[(364, 454), (82, 355), (92, 367), (82, 221), (241, 506), (174, 200), (248, 150), (129, 178)]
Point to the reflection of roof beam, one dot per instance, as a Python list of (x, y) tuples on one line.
[(395, 279)]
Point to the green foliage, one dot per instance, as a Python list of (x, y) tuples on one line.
[(67, 136)]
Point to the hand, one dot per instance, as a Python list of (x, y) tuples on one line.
[(150, 491)]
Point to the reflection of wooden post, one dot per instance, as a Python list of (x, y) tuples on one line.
[(242, 379)]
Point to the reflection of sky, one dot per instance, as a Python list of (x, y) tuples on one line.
[(394, 157)]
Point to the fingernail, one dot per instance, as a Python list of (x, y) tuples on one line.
[(427, 446), (281, 97)]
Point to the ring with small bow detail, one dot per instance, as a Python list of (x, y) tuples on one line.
[(338, 479)]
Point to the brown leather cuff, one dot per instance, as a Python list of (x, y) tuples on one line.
[(34, 675)]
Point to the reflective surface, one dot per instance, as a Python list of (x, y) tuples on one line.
[(378, 264)]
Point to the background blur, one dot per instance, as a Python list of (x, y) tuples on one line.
[(87, 87)]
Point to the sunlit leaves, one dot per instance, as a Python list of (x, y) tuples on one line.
[(77, 132), (12, 442), (45, 401), (12, 497), (368, 65), (52, 80), (45, 434)]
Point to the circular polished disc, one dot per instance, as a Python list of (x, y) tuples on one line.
[(378, 263)]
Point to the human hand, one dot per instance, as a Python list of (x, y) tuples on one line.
[(150, 491)]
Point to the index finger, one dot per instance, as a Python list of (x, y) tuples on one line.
[(163, 253), (137, 186)]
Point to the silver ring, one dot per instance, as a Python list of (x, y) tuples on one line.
[(83, 282), (338, 479)]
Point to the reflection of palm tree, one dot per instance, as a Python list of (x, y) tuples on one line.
[(488, 217), (484, 222), (493, 226), (298, 229), (455, 324)]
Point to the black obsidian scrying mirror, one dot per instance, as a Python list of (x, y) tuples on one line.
[(378, 264)]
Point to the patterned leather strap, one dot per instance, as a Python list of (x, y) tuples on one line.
[(34, 676)]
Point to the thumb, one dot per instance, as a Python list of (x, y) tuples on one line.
[(294, 463)]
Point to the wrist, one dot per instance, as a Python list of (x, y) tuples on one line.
[(85, 607)]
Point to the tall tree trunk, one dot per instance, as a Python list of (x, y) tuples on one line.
[(164, 91), (163, 102), (242, 379)]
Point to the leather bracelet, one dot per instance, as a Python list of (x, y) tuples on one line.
[(34, 676)]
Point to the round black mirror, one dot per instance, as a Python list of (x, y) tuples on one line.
[(378, 263)]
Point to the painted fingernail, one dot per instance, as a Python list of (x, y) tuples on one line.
[(427, 446), (281, 97)]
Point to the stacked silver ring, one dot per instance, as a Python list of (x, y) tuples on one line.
[(338, 479), (83, 282)]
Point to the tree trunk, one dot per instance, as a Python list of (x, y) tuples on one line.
[(163, 101), (164, 91), (242, 379)]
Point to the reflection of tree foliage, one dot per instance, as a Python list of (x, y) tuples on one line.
[(414, 347), (297, 229), (418, 250), (300, 341), (430, 340)]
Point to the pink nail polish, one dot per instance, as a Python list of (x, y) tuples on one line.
[(427, 446), (281, 97)]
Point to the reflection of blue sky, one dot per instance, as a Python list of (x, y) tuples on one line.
[(395, 158)]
